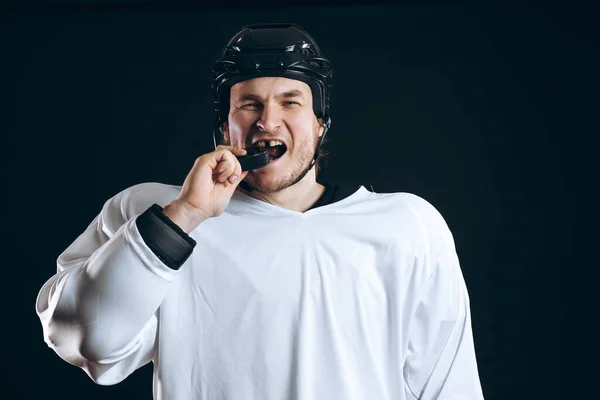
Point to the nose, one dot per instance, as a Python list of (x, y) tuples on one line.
[(270, 118)]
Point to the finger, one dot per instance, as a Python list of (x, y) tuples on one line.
[(238, 151), (222, 177), (227, 167), (221, 166), (224, 155), (228, 171), (237, 178), (237, 172), (230, 156), (238, 175)]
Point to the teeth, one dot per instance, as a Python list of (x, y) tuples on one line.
[(270, 143)]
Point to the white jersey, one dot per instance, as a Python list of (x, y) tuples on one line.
[(361, 299)]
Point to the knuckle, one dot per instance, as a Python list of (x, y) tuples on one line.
[(220, 149)]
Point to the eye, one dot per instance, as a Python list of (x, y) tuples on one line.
[(251, 105), (291, 103)]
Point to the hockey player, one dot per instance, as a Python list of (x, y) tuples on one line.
[(264, 284)]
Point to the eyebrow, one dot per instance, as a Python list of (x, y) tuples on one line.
[(286, 95)]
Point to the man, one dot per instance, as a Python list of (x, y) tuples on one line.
[(275, 288)]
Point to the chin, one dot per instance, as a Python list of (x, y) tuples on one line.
[(270, 179), (267, 182), (280, 174)]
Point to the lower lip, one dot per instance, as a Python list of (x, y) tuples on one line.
[(272, 162), (277, 159)]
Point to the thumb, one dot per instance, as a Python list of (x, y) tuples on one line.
[(241, 178), (233, 185)]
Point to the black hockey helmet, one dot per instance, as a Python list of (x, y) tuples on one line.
[(278, 50)]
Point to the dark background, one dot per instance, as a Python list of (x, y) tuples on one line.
[(487, 111)]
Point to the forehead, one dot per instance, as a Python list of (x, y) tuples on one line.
[(270, 86)]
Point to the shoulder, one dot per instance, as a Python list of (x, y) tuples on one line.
[(415, 204), (424, 211), (429, 220), (432, 237)]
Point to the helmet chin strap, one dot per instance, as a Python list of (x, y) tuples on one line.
[(313, 161), (215, 129)]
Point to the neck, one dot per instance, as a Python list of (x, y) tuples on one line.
[(298, 197)]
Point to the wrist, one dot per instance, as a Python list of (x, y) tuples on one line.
[(183, 216)]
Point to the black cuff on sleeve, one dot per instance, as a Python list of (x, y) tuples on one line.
[(164, 237)]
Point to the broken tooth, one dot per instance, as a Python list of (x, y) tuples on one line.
[(267, 143)]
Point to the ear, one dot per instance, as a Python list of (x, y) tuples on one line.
[(321, 127), (225, 131)]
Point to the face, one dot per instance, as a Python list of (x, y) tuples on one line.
[(274, 109)]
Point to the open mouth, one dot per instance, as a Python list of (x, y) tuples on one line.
[(275, 148)]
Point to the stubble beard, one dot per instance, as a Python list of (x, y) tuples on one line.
[(296, 172)]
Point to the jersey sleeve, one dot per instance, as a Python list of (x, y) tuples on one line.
[(98, 310), (441, 362)]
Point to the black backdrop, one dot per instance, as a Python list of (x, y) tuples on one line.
[(481, 109)]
